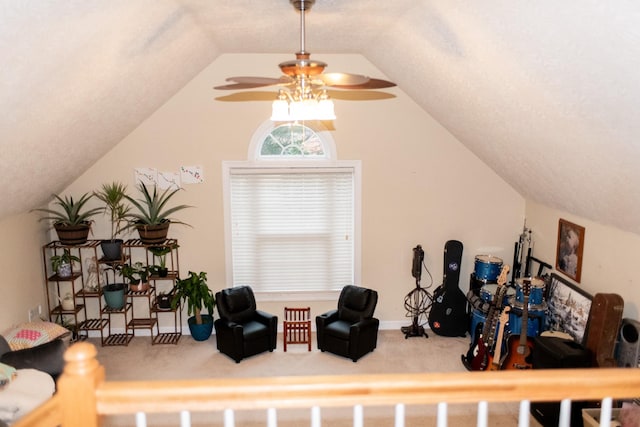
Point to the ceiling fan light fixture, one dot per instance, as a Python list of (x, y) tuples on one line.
[(290, 108)]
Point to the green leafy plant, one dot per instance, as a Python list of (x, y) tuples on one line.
[(161, 252), (152, 209), (65, 258), (71, 211), (196, 293), (113, 195), (136, 272)]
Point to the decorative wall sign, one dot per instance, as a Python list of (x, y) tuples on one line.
[(569, 308), (191, 174), (146, 176), (570, 247), (168, 180)]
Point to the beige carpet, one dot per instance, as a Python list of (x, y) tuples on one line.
[(395, 354)]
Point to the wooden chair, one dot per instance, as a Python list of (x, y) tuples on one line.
[(297, 326)]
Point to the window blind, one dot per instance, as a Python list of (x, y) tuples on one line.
[(292, 231)]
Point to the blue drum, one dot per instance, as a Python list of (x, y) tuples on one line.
[(478, 319), (536, 290), (535, 319), (487, 268), (488, 292)]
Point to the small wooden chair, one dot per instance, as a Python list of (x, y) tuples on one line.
[(297, 326)]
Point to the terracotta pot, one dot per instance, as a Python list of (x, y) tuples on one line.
[(139, 287), (73, 234), (153, 234)]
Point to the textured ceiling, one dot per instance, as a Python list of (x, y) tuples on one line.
[(546, 93)]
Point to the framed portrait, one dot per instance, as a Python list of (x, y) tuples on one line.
[(569, 250), (569, 308)]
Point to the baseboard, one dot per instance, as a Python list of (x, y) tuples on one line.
[(384, 325)]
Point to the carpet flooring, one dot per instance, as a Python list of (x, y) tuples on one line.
[(190, 359)]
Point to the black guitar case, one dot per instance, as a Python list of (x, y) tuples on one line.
[(448, 315)]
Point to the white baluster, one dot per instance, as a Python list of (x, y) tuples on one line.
[(605, 412), (483, 413), (565, 413), (442, 414), (316, 420), (523, 416), (185, 419), (229, 420), (141, 419), (272, 417), (358, 415), (399, 421)]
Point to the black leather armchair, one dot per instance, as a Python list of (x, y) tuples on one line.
[(242, 330), (350, 330)]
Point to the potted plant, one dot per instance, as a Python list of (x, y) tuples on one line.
[(196, 293), (152, 216), (61, 264), (161, 253), (163, 300), (113, 197), (137, 273), (114, 295), (72, 222)]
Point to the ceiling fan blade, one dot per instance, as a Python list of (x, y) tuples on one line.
[(252, 95), (359, 95), (243, 82), (371, 84), (259, 80), (342, 79)]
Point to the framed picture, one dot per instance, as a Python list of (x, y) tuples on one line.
[(569, 308), (570, 246)]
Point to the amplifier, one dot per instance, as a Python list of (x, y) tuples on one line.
[(629, 344)]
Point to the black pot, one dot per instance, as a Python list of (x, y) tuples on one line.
[(112, 249), (163, 271), (164, 301)]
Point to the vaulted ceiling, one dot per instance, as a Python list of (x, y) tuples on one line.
[(545, 93)]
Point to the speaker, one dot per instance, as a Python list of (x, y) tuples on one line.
[(558, 353), (629, 344)]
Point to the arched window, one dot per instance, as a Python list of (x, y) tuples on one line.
[(292, 214)]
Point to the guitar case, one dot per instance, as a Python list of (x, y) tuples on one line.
[(605, 318), (449, 316)]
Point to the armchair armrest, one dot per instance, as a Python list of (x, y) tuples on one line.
[(328, 317)]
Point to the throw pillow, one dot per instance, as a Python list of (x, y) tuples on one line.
[(7, 373), (31, 334)]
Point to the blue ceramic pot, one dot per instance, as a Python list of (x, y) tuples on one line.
[(201, 332)]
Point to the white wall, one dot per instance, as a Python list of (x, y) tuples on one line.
[(22, 283), (420, 185), (609, 258)]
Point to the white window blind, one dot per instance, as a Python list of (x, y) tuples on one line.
[(292, 230)]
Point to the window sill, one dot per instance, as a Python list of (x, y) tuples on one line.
[(297, 295)]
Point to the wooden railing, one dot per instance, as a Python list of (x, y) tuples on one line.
[(84, 396)]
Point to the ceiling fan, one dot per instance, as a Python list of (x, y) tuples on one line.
[(303, 84)]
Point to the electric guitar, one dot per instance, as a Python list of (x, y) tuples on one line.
[(495, 362), (521, 346), (479, 353)]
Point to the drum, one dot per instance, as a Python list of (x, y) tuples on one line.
[(536, 290), (488, 292), (487, 268), (478, 319), (535, 321)]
